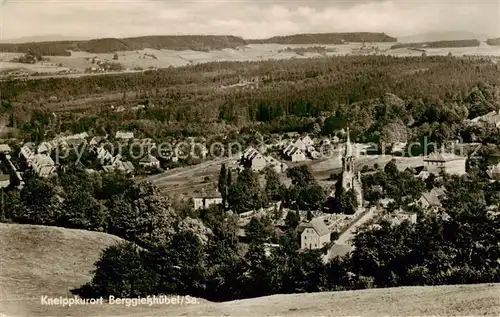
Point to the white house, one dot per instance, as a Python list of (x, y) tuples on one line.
[(206, 201), (315, 235), (122, 135), (491, 118), (307, 141), (431, 199), (278, 166), (449, 163), (294, 153), (44, 147), (4, 181), (494, 172), (149, 161), (401, 216), (5, 148), (252, 159)]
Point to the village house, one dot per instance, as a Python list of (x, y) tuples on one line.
[(42, 164), (45, 147), (276, 165), (125, 136), (431, 199), (253, 160), (398, 148), (400, 216), (149, 161), (118, 165), (436, 163), (418, 171), (315, 235), (303, 143), (492, 118), (5, 148), (95, 141), (294, 154), (205, 201), (4, 180), (494, 172), (103, 155)]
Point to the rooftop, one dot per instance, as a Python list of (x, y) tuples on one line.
[(319, 226), (443, 157)]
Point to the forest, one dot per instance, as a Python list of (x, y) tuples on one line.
[(383, 98), (494, 42), (439, 44), (199, 252), (327, 38)]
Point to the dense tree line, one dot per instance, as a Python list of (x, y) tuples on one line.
[(377, 95), (111, 45), (327, 38), (435, 251), (110, 203), (493, 42), (438, 44)]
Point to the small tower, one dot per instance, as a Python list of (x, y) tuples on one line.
[(348, 174)]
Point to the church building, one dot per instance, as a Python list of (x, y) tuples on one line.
[(350, 179)]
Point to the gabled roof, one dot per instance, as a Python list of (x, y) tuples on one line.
[(307, 140), (250, 153), (124, 135), (149, 159), (291, 150), (319, 226), (5, 148), (433, 196), (128, 166), (440, 157)]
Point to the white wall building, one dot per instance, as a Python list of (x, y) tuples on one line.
[(294, 153), (315, 235), (448, 163)]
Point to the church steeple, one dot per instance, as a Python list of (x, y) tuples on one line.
[(348, 146)]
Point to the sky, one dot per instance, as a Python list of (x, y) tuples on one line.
[(245, 18)]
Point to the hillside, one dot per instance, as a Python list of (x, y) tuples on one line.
[(40, 260), (326, 38), (438, 44)]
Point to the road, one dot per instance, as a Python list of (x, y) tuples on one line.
[(343, 244)]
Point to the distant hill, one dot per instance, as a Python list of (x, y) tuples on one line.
[(182, 42), (438, 44), (110, 45), (326, 38), (494, 42), (441, 36)]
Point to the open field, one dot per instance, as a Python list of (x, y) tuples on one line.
[(186, 181), (162, 58)]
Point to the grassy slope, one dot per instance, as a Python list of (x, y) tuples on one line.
[(37, 260)]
